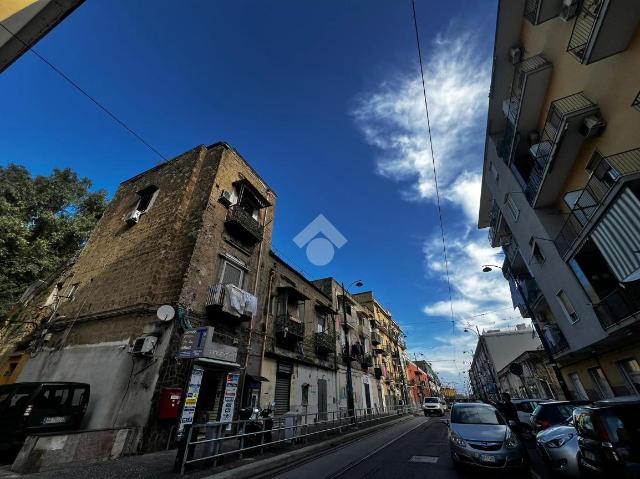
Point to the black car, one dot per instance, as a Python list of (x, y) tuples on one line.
[(36, 408), (609, 438), (547, 414)]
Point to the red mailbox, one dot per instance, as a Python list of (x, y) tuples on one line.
[(170, 399)]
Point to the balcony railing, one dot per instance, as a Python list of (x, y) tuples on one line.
[(325, 342), (367, 361), (618, 306), (636, 102), (217, 300), (288, 327), (602, 28), (544, 151), (242, 223), (376, 339), (606, 172), (539, 11)]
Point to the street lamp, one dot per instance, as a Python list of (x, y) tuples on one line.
[(486, 268), (350, 404)]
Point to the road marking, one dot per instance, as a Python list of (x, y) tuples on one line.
[(375, 451), (427, 459)]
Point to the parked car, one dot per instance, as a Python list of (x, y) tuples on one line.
[(433, 405), (480, 436), (36, 408), (547, 414), (525, 408), (558, 446), (609, 438)]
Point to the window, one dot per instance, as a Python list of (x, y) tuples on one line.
[(147, 197), (567, 306), (231, 274), (536, 252), (578, 388), (305, 394), (321, 322), (600, 383), (630, 370), (512, 207)]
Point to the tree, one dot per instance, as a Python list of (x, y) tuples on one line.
[(43, 221)]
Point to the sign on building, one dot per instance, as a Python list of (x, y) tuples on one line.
[(191, 398), (229, 399)]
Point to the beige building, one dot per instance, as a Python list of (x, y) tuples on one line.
[(560, 187)]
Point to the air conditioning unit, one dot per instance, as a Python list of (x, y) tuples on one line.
[(515, 55), (569, 9), (144, 346), (226, 198), (133, 217), (592, 126)]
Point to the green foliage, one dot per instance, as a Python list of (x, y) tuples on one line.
[(43, 221)]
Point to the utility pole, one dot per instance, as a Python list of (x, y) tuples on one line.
[(345, 327)]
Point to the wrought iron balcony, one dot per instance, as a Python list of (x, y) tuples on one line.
[(376, 339), (606, 172), (539, 11), (217, 302), (289, 328), (554, 338), (561, 139), (619, 305), (325, 342), (242, 224), (367, 361), (603, 28)]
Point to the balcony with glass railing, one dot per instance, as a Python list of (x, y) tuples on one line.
[(606, 173), (603, 28), (569, 122), (539, 11)]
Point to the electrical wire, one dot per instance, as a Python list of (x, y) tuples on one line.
[(86, 94)]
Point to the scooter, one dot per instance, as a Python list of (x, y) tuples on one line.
[(259, 423)]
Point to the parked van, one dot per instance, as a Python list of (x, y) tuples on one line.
[(37, 408)]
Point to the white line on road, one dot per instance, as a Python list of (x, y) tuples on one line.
[(375, 451)]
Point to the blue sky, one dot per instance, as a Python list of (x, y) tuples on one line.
[(323, 99)]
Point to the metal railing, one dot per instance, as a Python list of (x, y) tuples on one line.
[(240, 217), (558, 343), (618, 306), (285, 324), (606, 172), (531, 11), (494, 221), (583, 28), (206, 444), (636, 102), (545, 148)]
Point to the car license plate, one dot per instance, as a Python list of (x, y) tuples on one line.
[(487, 458), (54, 420)]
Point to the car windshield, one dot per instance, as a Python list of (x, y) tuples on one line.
[(476, 415), (432, 400)]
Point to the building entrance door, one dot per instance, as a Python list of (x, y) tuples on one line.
[(367, 397), (322, 399)]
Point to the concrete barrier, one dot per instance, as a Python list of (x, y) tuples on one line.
[(53, 451)]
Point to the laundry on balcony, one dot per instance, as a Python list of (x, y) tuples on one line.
[(234, 301)]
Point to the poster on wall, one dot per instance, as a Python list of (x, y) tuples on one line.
[(229, 399), (191, 399)]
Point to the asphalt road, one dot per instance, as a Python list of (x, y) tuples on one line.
[(416, 448)]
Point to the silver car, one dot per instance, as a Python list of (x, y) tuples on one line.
[(558, 446), (480, 436)]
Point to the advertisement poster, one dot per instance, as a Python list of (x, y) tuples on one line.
[(229, 399), (191, 399)]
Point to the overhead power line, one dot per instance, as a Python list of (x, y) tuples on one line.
[(433, 162), (75, 85)]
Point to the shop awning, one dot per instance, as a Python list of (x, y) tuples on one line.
[(255, 377), (217, 362)]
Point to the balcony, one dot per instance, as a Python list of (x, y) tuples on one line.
[(325, 343), (603, 28), (570, 120), (554, 338), (289, 328), (618, 306), (606, 173), (380, 372), (376, 339), (220, 298), (401, 343), (539, 11), (243, 225), (524, 105), (367, 361)]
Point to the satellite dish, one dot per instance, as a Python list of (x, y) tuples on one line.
[(165, 312)]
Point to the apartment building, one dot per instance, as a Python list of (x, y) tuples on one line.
[(389, 348), (433, 381), (418, 384), (530, 376), (300, 357), (166, 289), (560, 186), (495, 350)]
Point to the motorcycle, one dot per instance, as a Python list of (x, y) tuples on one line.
[(259, 425)]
